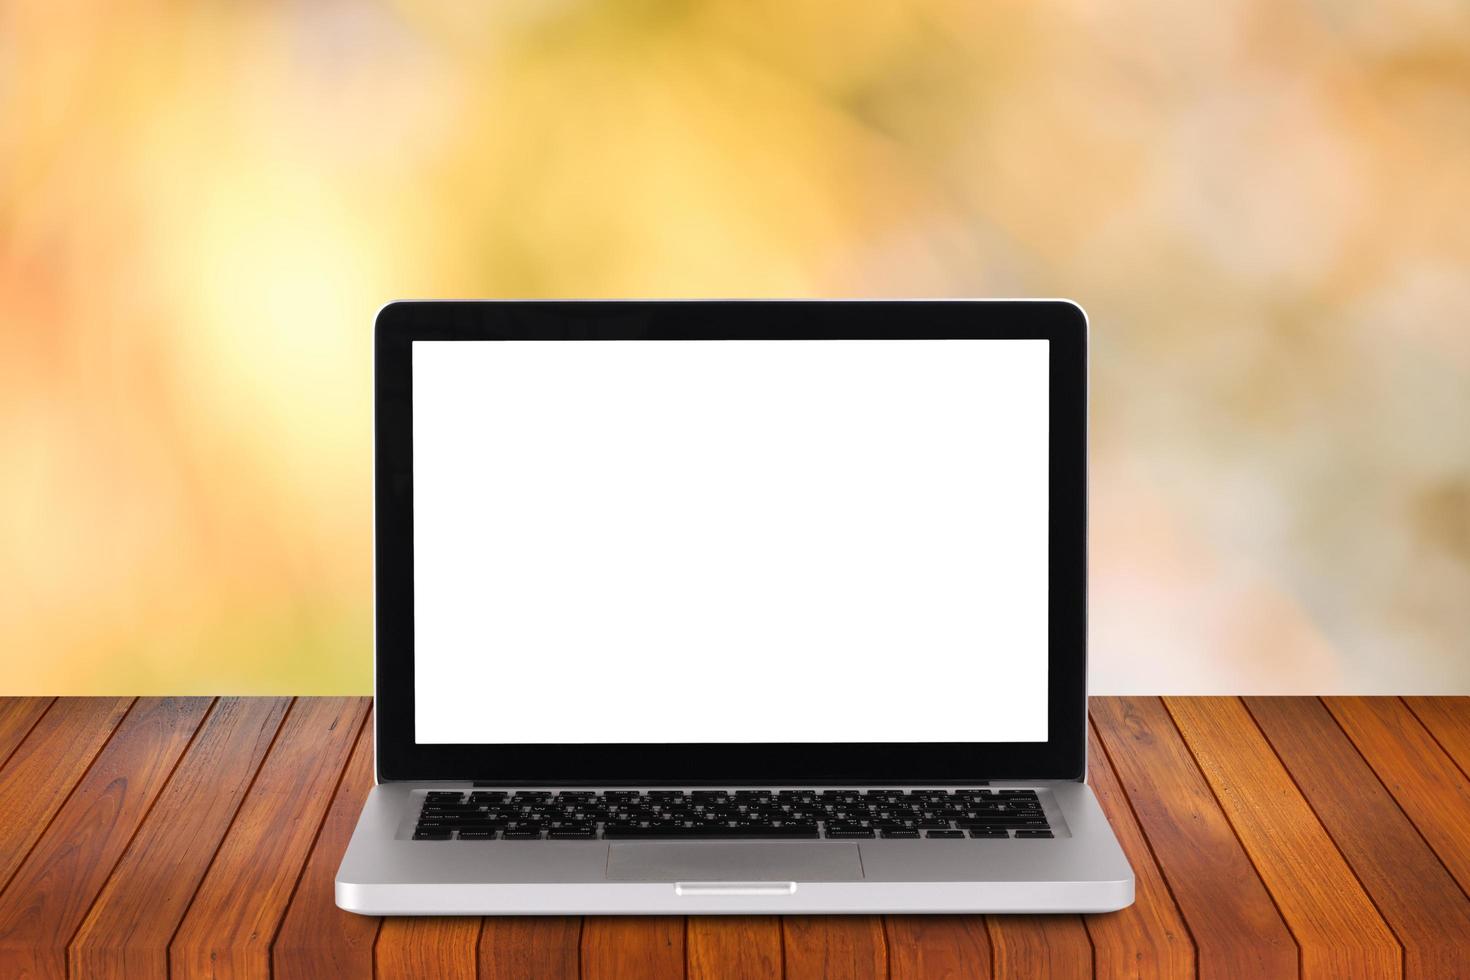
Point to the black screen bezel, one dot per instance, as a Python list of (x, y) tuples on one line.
[(400, 757)]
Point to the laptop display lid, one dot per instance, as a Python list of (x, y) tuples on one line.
[(725, 542)]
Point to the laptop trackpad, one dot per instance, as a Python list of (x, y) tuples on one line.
[(733, 861)]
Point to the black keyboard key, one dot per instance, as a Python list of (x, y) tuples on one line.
[(568, 833), (464, 825), (433, 833), (1034, 833), (521, 834), (990, 834), (477, 835), (896, 833), (946, 834), (487, 796)]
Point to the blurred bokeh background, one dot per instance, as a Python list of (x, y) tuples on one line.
[(1263, 204)]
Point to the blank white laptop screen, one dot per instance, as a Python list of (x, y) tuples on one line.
[(730, 541)]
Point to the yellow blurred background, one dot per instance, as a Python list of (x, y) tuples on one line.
[(1263, 204)]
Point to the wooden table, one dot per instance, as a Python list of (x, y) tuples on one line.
[(1271, 837)]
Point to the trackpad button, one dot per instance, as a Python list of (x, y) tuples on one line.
[(741, 861)]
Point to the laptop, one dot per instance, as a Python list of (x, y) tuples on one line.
[(731, 607)]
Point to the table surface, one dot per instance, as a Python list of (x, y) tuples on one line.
[(1271, 837)]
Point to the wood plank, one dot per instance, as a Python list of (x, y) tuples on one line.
[(635, 947), (1149, 938), (1231, 917), (1333, 920), (50, 893), (17, 717), (515, 947), (834, 946), (1448, 720), (1041, 946), (317, 939), (1413, 891), (45, 766), (719, 946), (1282, 767), (1433, 792), (924, 946), (238, 907), (127, 931), (442, 947)]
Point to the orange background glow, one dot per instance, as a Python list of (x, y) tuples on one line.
[(1262, 205)]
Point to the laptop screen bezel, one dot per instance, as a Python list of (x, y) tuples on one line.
[(401, 757)]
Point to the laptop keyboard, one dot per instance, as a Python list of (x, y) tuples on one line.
[(797, 814)]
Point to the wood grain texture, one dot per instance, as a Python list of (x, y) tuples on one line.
[(1149, 938), (51, 891), (941, 947), (211, 847), (1231, 916), (445, 948), (1448, 720), (1432, 790), (239, 904), (44, 767), (316, 938), (719, 946), (1338, 930), (633, 947), (834, 946), (127, 931), (513, 947), (1412, 890), (17, 717), (1039, 946)]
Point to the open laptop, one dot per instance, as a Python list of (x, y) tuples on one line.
[(731, 607)]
